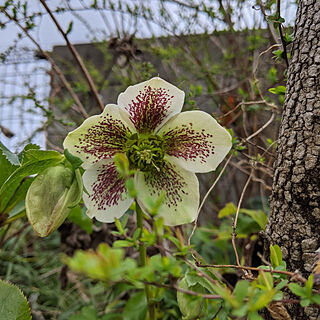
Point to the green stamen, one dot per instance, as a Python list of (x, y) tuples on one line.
[(145, 152)]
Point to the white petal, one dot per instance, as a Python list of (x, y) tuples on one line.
[(195, 141), (108, 198), (100, 137), (151, 103), (180, 189)]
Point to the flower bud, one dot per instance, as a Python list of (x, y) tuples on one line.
[(49, 198)]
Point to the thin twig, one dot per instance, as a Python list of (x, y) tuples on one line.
[(234, 226), (222, 266), (77, 57), (262, 128), (195, 224), (241, 104)]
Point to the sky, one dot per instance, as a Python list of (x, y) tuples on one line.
[(104, 25)]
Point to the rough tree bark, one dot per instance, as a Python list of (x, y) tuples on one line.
[(295, 201)]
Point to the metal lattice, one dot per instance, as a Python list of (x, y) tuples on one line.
[(24, 91)]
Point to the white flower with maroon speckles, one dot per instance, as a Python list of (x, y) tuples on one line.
[(164, 146)]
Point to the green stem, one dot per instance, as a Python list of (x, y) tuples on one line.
[(143, 261)]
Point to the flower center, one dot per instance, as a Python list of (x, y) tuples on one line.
[(145, 152)]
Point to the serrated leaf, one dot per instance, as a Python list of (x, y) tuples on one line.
[(13, 303), (29, 146), (11, 157), (6, 168), (35, 155)]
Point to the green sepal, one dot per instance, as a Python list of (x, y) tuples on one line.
[(74, 161), (49, 197), (78, 179)]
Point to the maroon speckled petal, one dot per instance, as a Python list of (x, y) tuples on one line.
[(107, 197), (151, 103), (195, 141), (179, 187), (99, 137)]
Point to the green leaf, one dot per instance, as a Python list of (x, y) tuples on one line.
[(309, 285), (13, 304), (75, 161), (6, 168), (265, 280), (69, 29), (36, 155), (118, 225), (241, 290), (275, 256), (78, 216), (228, 210), (280, 90), (19, 194), (29, 146), (11, 157), (258, 216), (189, 305), (305, 302), (13, 181), (254, 316), (297, 290), (105, 264), (122, 244), (192, 279), (281, 284), (136, 308), (86, 313), (264, 299), (316, 298)]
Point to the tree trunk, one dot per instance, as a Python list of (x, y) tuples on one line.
[(295, 201)]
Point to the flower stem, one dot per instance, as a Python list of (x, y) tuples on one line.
[(143, 261)]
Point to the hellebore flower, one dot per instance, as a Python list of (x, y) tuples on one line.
[(164, 146)]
